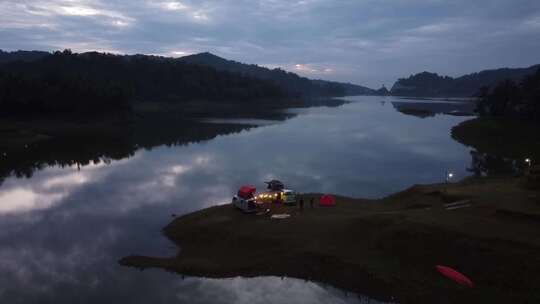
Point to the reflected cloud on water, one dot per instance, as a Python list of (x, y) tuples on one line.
[(263, 290), (50, 187)]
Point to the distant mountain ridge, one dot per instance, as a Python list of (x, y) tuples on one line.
[(423, 84), (6, 57), (291, 82), (428, 84)]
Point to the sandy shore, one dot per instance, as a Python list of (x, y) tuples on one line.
[(384, 248)]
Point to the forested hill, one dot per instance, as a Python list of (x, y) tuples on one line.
[(65, 82), (291, 82), (6, 57), (427, 84)]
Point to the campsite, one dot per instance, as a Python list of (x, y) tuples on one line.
[(395, 248), (249, 201)]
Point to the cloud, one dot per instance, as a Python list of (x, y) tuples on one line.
[(311, 69), (170, 5), (369, 42)]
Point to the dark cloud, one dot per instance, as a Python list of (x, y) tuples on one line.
[(368, 42)]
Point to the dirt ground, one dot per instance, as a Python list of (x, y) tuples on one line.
[(386, 249)]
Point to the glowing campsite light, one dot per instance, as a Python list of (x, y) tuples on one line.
[(449, 176), (528, 161)]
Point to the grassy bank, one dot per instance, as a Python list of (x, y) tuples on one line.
[(382, 248)]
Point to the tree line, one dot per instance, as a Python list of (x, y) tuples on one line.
[(86, 83), (427, 84), (512, 99)]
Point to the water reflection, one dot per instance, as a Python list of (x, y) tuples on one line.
[(242, 121), (89, 203), (48, 189), (430, 108), (92, 149), (263, 290)]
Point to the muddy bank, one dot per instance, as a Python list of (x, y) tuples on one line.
[(382, 248)]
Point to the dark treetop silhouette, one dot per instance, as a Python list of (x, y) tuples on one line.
[(427, 84)]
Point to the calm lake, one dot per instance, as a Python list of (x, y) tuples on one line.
[(63, 230)]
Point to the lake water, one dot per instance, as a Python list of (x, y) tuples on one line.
[(63, 230)]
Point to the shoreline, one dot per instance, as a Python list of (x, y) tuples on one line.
[(22, 130), (384, 249)]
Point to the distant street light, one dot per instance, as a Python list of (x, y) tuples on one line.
[(528, 161), (449, 176)]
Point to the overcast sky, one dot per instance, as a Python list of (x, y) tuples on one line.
[(368, 42)]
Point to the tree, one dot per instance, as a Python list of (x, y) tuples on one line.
[(509, 99)]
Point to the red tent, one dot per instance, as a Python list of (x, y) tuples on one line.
[(247, 191), (327, 200)]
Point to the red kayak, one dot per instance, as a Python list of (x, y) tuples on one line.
[(455, 275)]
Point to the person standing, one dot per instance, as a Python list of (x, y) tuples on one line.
[(301, 203), (311, 202)]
